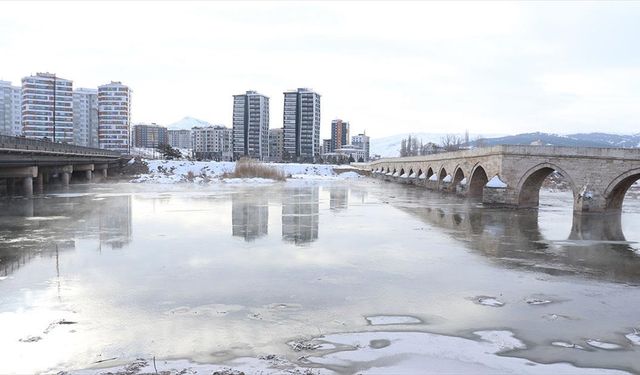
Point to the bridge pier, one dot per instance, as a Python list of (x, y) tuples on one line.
[(39, 183), (101, 170), (65, 177), (27, 186)]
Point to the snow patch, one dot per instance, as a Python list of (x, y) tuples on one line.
[(378, 320), (496, 182), (563, 344), (447, 178), (603, 345), (433, 177), (463, 182), (634, 337)]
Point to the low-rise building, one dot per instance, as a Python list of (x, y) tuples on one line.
[(212, 143), (179, 138), (149, 135), (362, 141)]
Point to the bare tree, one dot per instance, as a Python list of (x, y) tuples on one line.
[(451, 142)]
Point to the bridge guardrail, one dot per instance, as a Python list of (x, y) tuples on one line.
[(26, 144)]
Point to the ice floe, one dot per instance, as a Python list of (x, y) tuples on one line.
[(378, 320)]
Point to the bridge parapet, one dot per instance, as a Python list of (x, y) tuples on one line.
[(19, 144)]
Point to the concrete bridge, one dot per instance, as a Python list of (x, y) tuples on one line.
[(26, 165), (513, 175)]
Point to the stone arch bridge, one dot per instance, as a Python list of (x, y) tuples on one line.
[(513, 175)]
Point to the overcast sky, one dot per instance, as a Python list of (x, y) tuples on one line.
[(386, 67)]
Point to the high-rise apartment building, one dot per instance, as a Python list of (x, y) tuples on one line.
[(85, 117), (250, 125), (149, 135), (47, 107), (114, 117), (212, 142), (339, 134), (361, 141), (276, 144), (326, 146), (179, 138), (10, 109), (301, 125)]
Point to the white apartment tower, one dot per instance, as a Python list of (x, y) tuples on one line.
[(85, 117), (114, 117), (301, 125), (47, 107), (10, 109), (250, 125)]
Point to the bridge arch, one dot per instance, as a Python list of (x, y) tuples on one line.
[(429, 172), (477, 180), (410, 172), (401, 172), (617, 189), (419, 173), (442, 174), (528, 188), (458, 176)]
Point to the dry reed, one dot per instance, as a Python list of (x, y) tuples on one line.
[(250, 168)]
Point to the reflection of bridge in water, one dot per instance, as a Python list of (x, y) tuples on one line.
[(595, 246), (43, 227)]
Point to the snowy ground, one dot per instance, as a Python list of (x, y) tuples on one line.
[(173, 171), (376, 353)]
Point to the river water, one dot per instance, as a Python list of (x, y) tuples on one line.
[(102, 274)]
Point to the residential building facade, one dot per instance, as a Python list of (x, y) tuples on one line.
[(276, 144), (250, 125), (47, 107), (212, 143), (301, 120), (150, 135), (362, 141), (326, 146), (85, 117), (10, 109), (114, 117), (179, 138), (339, 134)]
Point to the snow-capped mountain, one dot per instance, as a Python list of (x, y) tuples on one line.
[(187, 123)]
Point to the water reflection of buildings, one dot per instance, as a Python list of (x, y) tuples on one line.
[(300, 214), (595, 247), (45, 227), (338, 197), (249, 216)]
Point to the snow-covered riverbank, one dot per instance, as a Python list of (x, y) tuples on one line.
[(174, 171)]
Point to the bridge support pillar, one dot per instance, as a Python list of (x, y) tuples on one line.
[(89, 175), (27, 186), (65, 177), (39, 183), (101, 170)]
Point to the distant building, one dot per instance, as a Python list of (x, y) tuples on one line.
[(114, 117), (250, 125), (362, 141), (179, 138), (339, 134), (276, 144), (301, 119), (326, 146), (85, 117), (10, 109), (47, 107), (351, 152), (212, 142), (150, 135)]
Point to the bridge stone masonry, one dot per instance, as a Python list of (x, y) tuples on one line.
[(26, 165), (513, 175)]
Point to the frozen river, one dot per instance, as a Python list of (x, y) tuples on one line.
[(356, 276)]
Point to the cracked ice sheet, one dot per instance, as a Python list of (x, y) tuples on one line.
[(417, 352)]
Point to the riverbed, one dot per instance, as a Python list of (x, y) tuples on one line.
[(345, 276)]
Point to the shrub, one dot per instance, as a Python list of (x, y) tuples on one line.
[(249, 168)]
